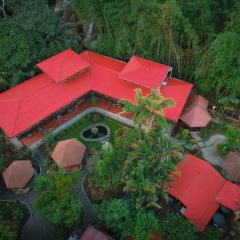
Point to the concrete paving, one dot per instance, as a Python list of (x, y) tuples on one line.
[(210, 153), (209, 147)]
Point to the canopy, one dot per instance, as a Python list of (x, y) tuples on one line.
[(36, 99), (195, 114), (68, 153), (18, 174), (93, 234), (231, 165), (63, 65), (144, 72), (202, 189)]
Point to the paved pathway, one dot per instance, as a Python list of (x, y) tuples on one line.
[(209, 148), (89, 217), (37, 228)]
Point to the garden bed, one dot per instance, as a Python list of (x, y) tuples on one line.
[(12, 218)]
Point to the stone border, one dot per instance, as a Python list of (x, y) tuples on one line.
[(70, 122), (97, 139)]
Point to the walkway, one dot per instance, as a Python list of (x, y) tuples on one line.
[(209, 148), (38, 228), (89, 217)]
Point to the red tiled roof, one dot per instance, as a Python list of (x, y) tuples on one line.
[(18, 174), (195, 114), (200, 188), (93, 234), (199, 100), (63, 65), (144, 72), (37, 98), (196, 117)]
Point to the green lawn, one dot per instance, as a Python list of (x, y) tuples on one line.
[(75, 130)]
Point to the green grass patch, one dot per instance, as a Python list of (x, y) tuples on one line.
[(90, 119)]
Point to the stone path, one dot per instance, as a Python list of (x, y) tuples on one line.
[(89, 217), (209, 148), (37, 228)]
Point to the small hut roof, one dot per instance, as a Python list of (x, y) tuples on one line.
[(68, 153), (200, 101), (18, 174), (196, 116), (94, 234)]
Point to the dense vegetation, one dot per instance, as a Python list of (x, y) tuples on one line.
[(30, 31), (198, 38), (140, 158), (12, 216), (57, 201)]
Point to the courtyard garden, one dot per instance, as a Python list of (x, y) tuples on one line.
[(74, 131)]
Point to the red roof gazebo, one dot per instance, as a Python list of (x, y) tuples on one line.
[(69, 153), (92, 233), (202, 190), (18, 174), (196, 115)]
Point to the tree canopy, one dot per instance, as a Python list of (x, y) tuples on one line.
[(197, 38), (29, 33), (56, 195)]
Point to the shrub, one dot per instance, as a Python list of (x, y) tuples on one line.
[(176, 227), (11, 217), (211, 234), (233, 140)]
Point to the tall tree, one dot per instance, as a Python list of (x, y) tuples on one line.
[(220, 71)]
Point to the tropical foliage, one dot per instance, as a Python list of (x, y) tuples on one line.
[(30, 31), (175, 227), (12, 216), (121, 217), (56, 195), (198, 38), (141, 158)]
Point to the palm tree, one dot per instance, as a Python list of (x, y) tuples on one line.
[(152, 155), (148, 109)]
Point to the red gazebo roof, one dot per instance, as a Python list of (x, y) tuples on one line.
[(68, 153), (196, 117), (18, 174), (195, 114), (33, 100), (63, 65), (144, 72), (202, 189), (92, 233)]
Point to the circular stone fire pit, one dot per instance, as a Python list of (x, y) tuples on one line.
[(96, 132)]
